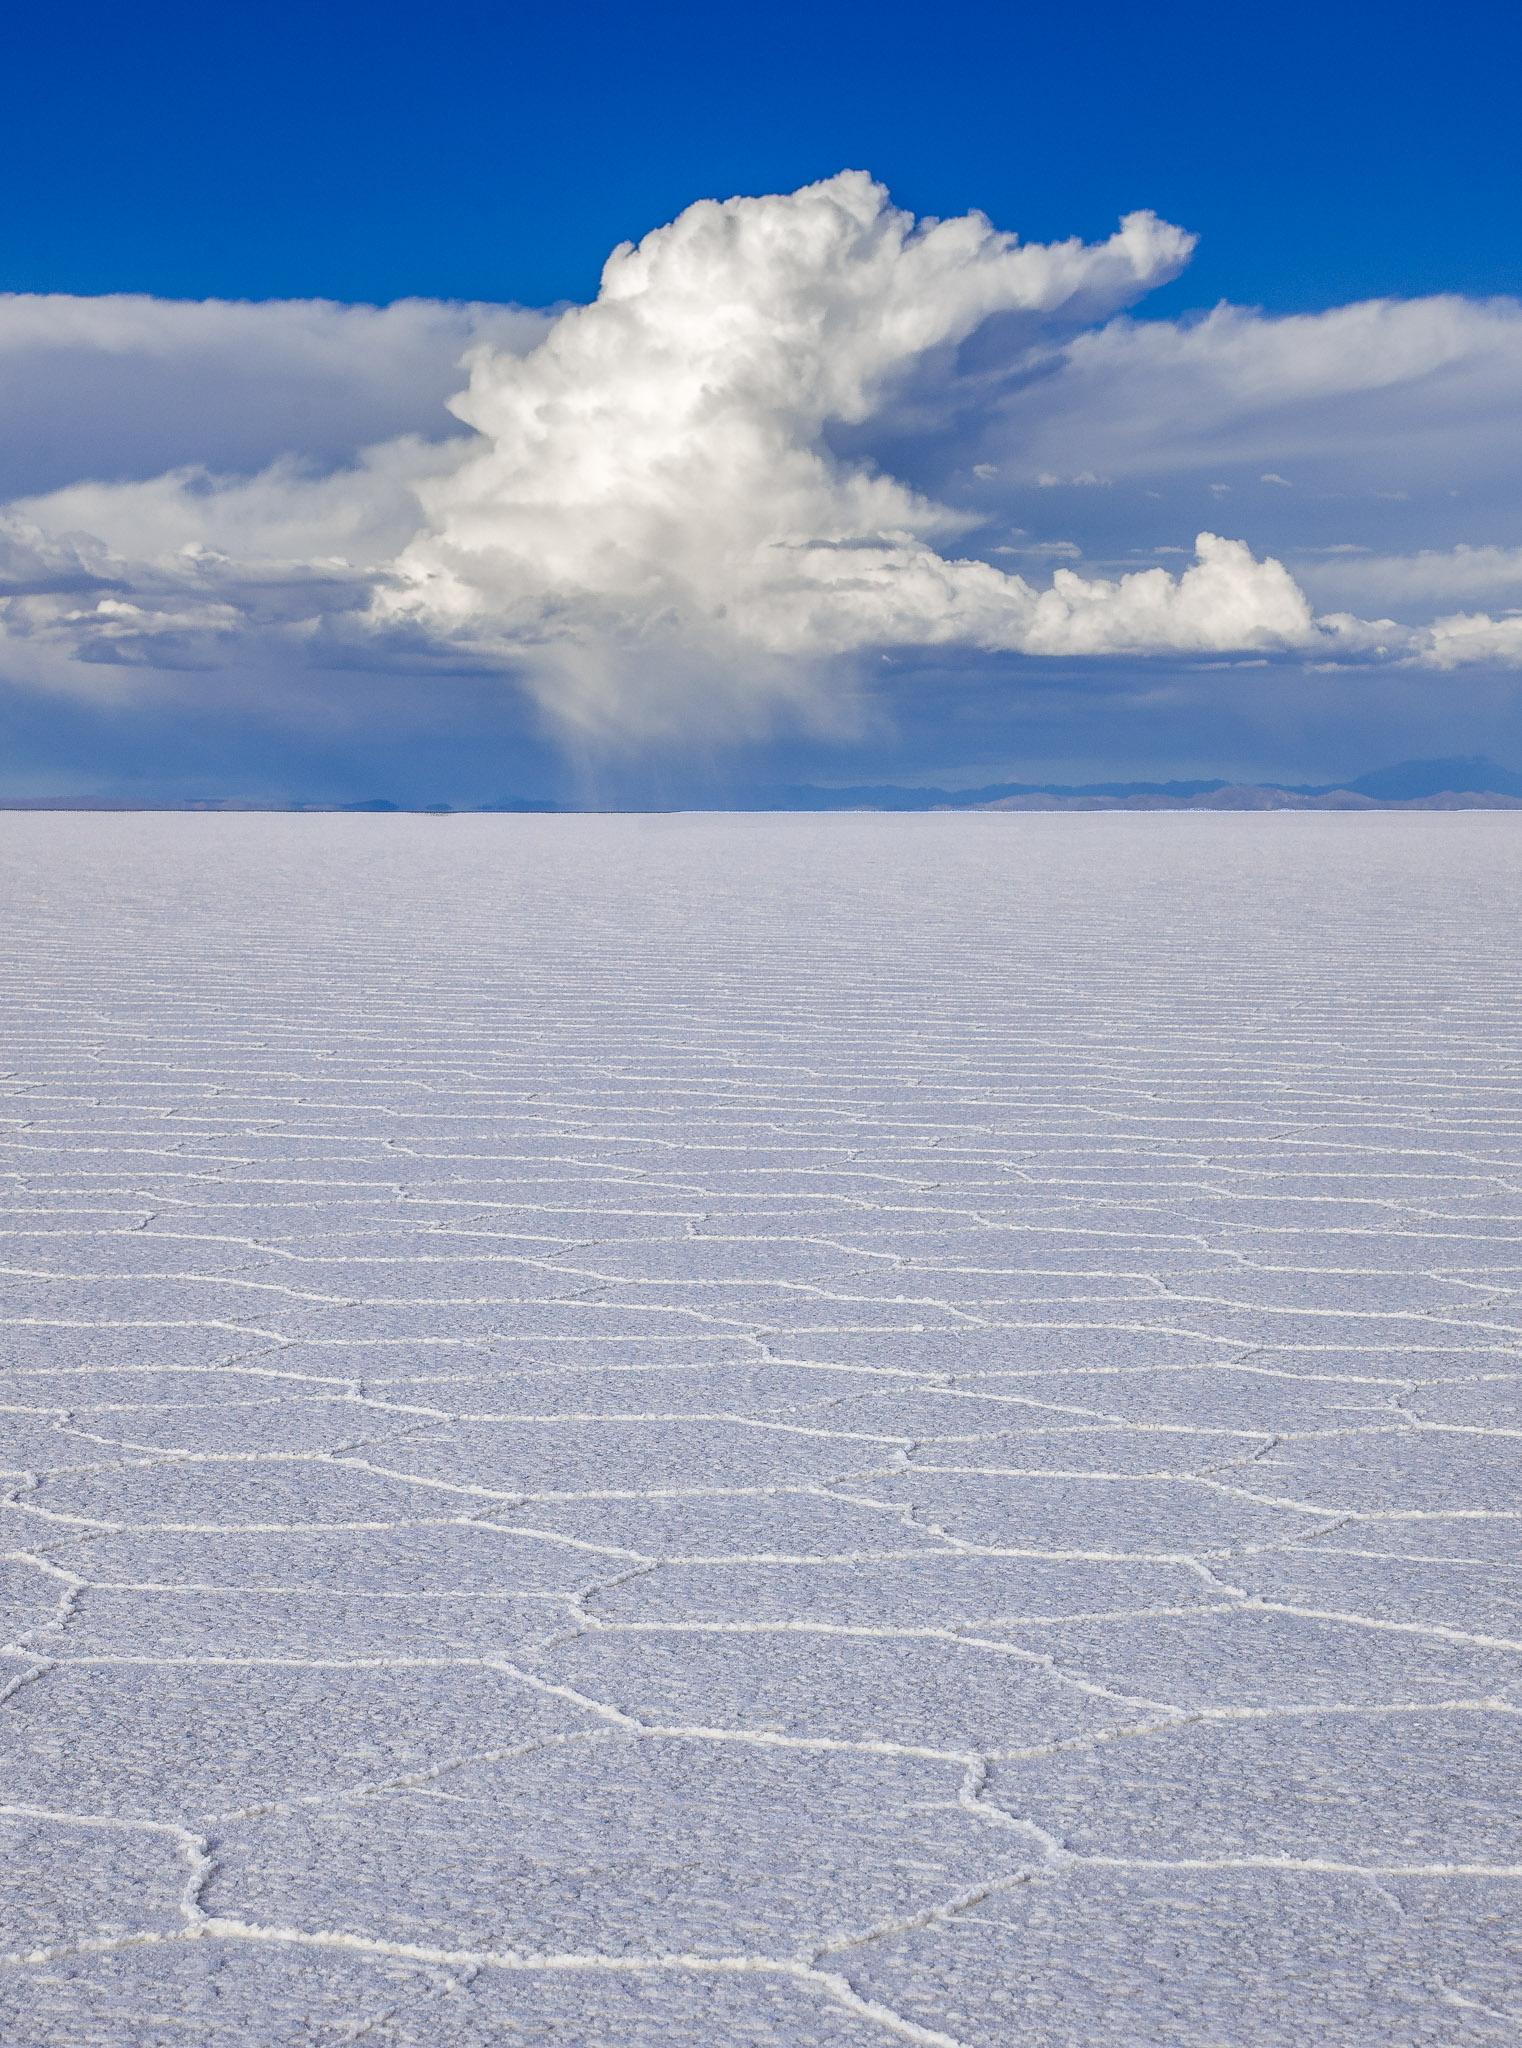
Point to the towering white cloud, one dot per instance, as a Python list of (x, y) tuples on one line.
[(657, 523), (791, 433)]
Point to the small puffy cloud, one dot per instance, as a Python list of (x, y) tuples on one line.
[(1471, 639), (1463, 640), (1226, 603)]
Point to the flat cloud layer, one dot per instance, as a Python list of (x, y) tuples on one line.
[(123, 386), (791, 435)]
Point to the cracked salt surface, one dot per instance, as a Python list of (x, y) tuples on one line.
[(761, 1430)]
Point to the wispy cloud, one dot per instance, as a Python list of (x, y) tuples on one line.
[(130, 387), (1431, 576)]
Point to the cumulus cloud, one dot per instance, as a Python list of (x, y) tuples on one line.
[(656, 488), (787, 435)]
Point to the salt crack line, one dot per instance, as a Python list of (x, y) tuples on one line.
[(193, 1848), (223, 1927), (867, 1632)]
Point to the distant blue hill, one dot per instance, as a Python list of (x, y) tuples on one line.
[(900, 797), (1406, 782), (1409, 781)]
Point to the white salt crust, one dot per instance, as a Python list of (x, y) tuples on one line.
[(761, 1430)]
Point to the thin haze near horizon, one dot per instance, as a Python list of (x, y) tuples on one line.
[(1149, 410)]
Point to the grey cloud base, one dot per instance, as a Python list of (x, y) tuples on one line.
[(761, 1430)]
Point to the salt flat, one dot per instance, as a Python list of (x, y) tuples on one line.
[(739, 1430)]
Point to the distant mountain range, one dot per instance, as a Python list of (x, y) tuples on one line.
[(1470, 783)]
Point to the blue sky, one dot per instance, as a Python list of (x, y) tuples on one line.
[(1322, 153), (1321, 157)]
